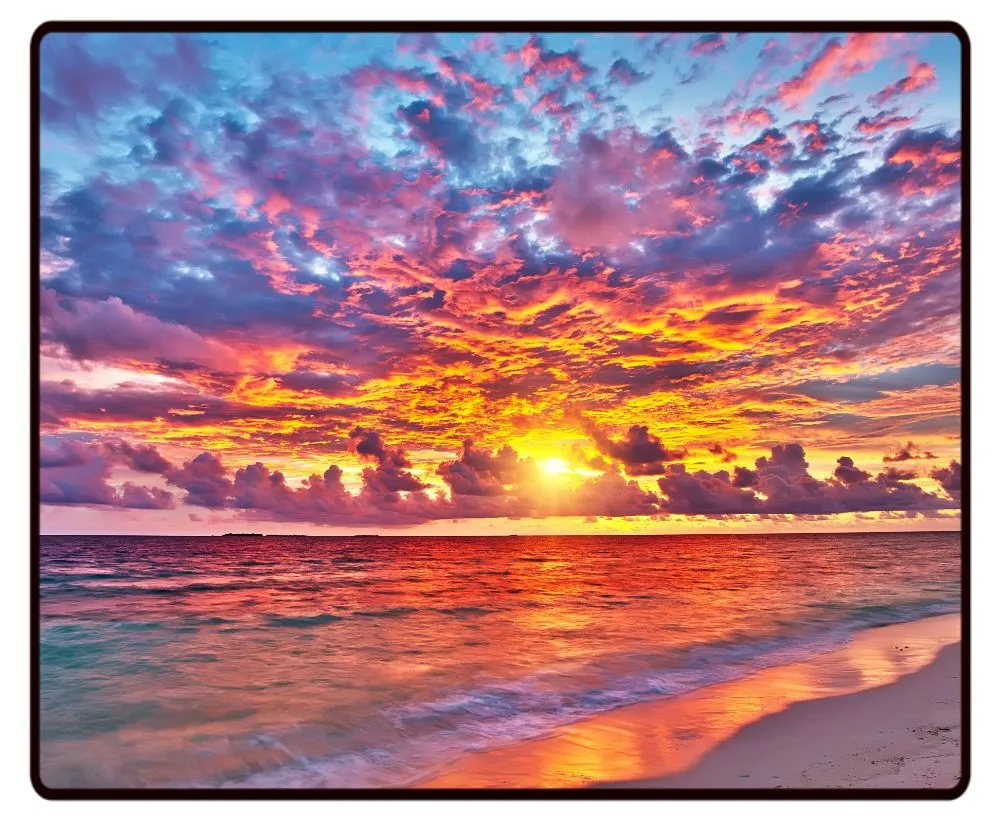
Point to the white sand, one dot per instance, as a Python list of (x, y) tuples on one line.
[(902, 735)]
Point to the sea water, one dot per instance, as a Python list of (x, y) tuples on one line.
[(336, 662)]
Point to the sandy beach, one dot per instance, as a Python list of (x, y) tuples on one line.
[(882, 712), (902, 735)]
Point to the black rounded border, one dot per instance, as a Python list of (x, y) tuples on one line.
[(504, 27)]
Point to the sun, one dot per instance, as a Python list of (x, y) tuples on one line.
[(554, 465)]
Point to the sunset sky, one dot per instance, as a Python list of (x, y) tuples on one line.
[(499, 284)]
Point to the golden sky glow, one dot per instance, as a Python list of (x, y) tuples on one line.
[(514, 286)]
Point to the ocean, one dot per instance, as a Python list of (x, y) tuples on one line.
[(332, 662)]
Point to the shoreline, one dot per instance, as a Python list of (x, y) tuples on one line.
[(883, 711), (899, 735)]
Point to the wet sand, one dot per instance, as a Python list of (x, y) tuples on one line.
[(882, 712), (902, 735)]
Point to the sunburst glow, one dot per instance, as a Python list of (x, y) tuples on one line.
[(554, 466)]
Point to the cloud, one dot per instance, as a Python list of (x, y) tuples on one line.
[(186, 64), (816, 138), (112, 330), (205, 480), (144, 458), (254, 259), (739, 121), (718, 450), (545, 65), (883, 121), (812, 197), (730, 315), (894, 476), (390, 477), (705, 493), (80, 85), (950, 478), (874, 386), (610, 495), (918, 162), (144, 497), (624, 73), (921, 76), (782, 484), (641, 453), (482, 474), (264, 494), (849, 474), (486, 484), (74, 474), (784, 479), (910, 451), (836, 60), (709, 43), (596, 200), (78, 473), (451, 138), (773, 145)]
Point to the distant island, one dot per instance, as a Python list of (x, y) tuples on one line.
[(242, 535)]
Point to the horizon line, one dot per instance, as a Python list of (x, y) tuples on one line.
[(511, 536)]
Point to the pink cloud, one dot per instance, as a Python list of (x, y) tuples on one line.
[(921, 76), (836, 60)]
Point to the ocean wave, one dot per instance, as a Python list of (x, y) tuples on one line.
[(147, 587), (386, 612), (466, 610), (418, 740), (278, 621)]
